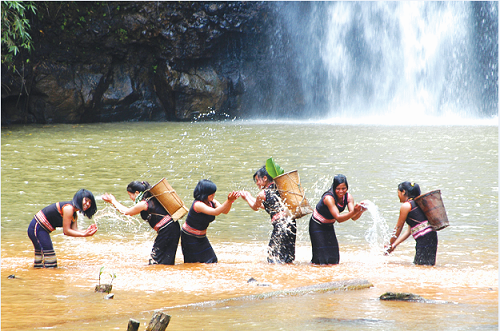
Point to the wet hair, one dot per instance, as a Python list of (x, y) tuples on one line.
[(203, 189), (77, 202), (137, 186), (337, 180), (412, 189), (261, 173)]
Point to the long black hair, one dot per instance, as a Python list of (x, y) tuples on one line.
[(412, 189), (77, 202), (337, 180), (203, 189), (137, 186)]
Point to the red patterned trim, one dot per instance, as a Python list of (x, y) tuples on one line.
[(421, 229), (162, 222), (42, 220), (321, 218), (193, 231)]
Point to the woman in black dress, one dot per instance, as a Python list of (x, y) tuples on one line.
[(195, 245), (418, 226), (281, 248), (151, 210), (325, 247)]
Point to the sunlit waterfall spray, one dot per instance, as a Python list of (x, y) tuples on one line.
[(384, 60), (378, 234)]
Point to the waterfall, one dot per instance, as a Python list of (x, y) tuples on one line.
[(392, 59)]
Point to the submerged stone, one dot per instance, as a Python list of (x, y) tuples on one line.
[(402, 297)]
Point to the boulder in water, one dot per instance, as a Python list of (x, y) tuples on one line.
[(402, 297)]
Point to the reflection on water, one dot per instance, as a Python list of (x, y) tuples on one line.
[(41, 165)]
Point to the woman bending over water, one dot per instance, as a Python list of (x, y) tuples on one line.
[(418, 226), (281, 247), (60, 214), (325, 247), (151, 210), (194, 242)]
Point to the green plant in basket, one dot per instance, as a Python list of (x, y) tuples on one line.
[(273, 169)]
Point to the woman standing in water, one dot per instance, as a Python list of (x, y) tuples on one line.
[(60, 214), (151, 210), (281, 247), (194, 242), (418, 226), (325, 247)]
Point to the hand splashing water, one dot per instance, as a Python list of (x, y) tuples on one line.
[(378, 235)]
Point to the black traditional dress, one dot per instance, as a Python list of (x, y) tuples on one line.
[(169, 231), (425, 236), (194, 241), (281, 247), (325, 247)]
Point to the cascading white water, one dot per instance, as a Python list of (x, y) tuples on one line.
[(392, 59)]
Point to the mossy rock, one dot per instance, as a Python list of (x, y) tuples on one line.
[(401, 297), (103, 288)]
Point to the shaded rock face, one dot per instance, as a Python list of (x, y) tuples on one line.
[(138, 61)]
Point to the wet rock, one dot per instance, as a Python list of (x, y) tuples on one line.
[(256, 283), (141, 61), (409, 297), (103, 288), (252, 280), (402, 297)]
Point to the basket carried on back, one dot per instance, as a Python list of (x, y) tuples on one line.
[(169, 199), (293, 194), (433, 207)]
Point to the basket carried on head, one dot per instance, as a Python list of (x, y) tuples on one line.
[(169, 199), (433, 207), (293, 194)]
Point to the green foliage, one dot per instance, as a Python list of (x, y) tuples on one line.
[(15, 28), (100, 273), (123, 35), (273, 169), (112, 275)]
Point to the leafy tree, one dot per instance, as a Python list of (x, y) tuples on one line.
[(15, 28)]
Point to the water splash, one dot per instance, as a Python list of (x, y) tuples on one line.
[(120, 226), (378, 234)]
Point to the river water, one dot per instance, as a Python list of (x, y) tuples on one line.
[(45, 164)]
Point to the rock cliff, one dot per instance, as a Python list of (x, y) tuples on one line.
[(137, 61)]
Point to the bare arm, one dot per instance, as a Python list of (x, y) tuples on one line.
[(400, 239), (70, 226), (201, 207), (330, 203), (134, 210), (351, 206), (403, 214), (403, 237), (254, 203)]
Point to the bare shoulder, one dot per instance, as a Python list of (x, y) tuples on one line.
[(261, 195), (69, 209), (406, 206)]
